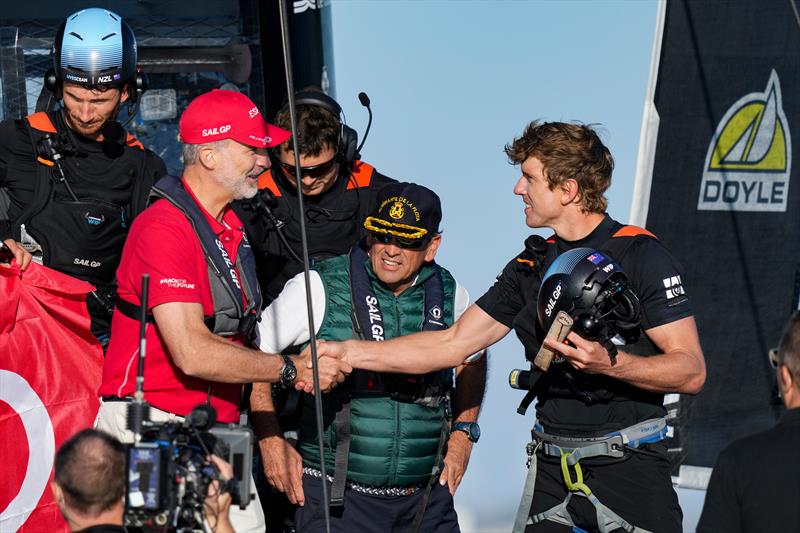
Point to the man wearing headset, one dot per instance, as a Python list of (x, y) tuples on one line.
[(74, 181), (338, 189), (598, 461)]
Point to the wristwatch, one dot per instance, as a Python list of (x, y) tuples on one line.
[(472, 429), (288, 372)]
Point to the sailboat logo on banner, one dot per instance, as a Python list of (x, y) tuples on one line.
[(749, 159)]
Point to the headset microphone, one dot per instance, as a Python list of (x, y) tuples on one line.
[(364, 99), (113, 132)]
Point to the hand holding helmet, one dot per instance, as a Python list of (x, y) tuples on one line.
[(594, 291)]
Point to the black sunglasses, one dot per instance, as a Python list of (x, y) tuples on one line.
[(408, 244), (313, 172)]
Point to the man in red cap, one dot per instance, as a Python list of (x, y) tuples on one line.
[(204, 296)]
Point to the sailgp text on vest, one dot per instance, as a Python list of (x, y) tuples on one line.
[(375, 326), (229, 264)]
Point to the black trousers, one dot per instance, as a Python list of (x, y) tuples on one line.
[(378, 514), (637, 487)]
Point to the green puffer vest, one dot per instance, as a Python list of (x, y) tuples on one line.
[(392, 443)]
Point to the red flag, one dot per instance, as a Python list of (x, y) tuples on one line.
[(50, 370)]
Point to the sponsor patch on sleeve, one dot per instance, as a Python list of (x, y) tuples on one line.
[(674, 290), (176, 283)]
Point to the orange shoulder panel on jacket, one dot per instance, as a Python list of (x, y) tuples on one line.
[(266, 181), (362, 175), (134, 142), (633, 231), (41, 121)]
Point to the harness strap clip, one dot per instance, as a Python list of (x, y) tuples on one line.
[(612, 446)]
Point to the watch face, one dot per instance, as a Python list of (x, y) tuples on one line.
[(288, 372), (472, 429), (474, 432)]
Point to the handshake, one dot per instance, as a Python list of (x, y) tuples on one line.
[(333, 367)]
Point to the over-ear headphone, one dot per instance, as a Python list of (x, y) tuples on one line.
[(52, 83), (348, 137), (137, 85)]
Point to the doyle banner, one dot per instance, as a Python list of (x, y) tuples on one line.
[(725, 197), (50, 370)]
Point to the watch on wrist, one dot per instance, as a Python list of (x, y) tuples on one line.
[(472, 429), (288, 372)]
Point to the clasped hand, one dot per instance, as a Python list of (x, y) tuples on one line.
[(333, 368)]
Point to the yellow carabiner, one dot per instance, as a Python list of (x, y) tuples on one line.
[(578, 484)]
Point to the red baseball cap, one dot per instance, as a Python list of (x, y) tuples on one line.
[(221, 114)]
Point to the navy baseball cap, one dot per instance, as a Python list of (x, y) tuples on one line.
[(405, 210)]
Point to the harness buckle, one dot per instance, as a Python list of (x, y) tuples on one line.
[(530, 449)]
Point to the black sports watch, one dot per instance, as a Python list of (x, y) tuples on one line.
[(472, 429), (288, 372)]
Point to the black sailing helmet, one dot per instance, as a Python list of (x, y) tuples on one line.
[(592, 289)]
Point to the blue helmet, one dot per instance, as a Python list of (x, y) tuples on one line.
[(94, 47)]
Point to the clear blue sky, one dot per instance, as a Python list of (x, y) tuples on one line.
[(451, 82)]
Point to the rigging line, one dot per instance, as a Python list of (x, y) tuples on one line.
[(796, 13), (287, 61)]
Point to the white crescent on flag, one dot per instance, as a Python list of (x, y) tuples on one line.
[(16, 392), (50, 370)]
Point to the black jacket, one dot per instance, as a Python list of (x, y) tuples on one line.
[(755, 486)]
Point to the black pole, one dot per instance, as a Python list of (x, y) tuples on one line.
[(312, 337)]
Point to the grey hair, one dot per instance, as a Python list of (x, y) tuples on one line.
[(189, 152)]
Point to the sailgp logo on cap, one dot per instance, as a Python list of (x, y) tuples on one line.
[(749, 159), (216, 131)]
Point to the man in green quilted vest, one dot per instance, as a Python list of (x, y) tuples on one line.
[(396, 445)]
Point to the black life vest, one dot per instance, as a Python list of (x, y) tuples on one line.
[(85, 238), (230, 314)]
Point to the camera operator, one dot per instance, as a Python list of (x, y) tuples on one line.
[(89, 485)]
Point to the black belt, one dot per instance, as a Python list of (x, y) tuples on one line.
[(126, 399)]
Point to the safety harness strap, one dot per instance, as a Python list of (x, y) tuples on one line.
[(557, 514), (342, 423), (524, 509), (571, 450), (423, 504), (607, 520), (610, 445)]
